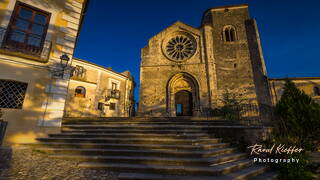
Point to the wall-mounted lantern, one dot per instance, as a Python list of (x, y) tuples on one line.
[(64, 60)]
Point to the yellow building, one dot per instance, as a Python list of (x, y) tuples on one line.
[(96, 91), (34, 34), (310, 85)]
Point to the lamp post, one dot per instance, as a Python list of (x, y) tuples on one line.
[(64, 60)]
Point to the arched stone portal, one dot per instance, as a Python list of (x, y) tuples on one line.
[(182, 95)]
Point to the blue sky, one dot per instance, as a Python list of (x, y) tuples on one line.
[(114, 31)]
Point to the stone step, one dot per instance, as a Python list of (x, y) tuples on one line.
[(130, 135), (175, 170), (242, 174), (133, 152), (154, 160), (154, 176), (246, 173), (136, 126), (154, 127), (152, 148), (142, 140), (129, 146), (269, 175), (145, 131), (151, 125), (154, 122), (143, 119)]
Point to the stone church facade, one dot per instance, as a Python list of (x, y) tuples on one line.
[(186, 70)]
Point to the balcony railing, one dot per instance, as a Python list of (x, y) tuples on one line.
[(115, 94), (34, 47)]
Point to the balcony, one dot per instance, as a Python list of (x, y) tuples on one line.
[(32, 47), (113, 94)]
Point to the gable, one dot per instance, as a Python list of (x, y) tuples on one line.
[(177, 26)]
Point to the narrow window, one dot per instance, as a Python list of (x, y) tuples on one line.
[(100, 106), (226, 35), (114, 86), (232, 35), (112, 106), (80, 92), (12, 94), (316, 91), (229, 34), (27, 30)]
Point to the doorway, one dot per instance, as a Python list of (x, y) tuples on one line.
[(183, 103)]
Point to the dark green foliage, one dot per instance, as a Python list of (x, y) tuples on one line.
[(300, 170), (298, 124), (299, 117)]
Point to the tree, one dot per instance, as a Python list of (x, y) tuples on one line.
[(298, 124), (299, 117)]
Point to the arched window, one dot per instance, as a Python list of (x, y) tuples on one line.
[(80, 92), (316, 91), (229, 34)]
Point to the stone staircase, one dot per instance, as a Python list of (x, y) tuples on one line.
[(152, 148)]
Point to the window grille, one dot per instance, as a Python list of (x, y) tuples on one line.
[(12, 94)]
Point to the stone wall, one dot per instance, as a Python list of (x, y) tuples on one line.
[(307, 84), (234, 69), (242, 136), (156, 70), (217, 65)]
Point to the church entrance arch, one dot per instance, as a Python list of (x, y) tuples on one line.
[(182, 95)]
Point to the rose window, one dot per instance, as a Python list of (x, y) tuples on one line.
[(180, 48)]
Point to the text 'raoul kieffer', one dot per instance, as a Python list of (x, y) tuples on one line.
[(277, 149)]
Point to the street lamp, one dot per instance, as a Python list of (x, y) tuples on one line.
[(64, 59)]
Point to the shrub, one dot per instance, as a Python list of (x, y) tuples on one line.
[(299, 117), (298, 124)]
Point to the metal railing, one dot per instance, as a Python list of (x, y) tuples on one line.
[(115, 94), (243, 113), (33, 45)]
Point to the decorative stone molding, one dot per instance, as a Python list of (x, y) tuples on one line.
[(179, 46), (182, 81)]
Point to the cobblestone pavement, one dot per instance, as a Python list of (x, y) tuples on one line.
[(23, 163)]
